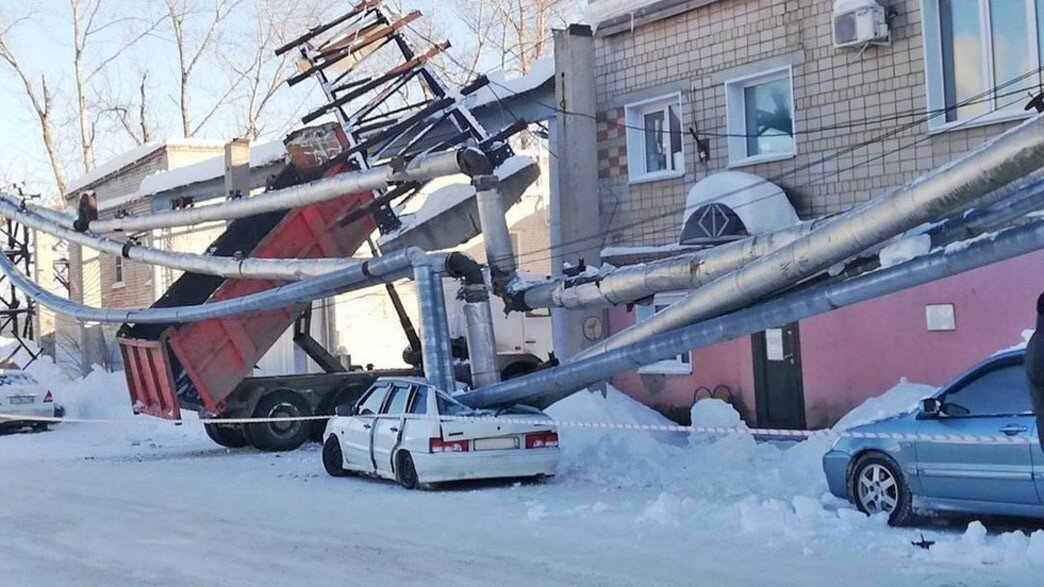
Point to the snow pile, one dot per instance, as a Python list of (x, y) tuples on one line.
[(99, 395), (500, 87), (904, 398), (905, 249), (132, 156)]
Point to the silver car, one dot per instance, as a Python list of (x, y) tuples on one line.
[(897, 477)]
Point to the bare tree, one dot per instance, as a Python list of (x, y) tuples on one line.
[(86, 25), (260, 72), (515, 32), (40, 99), (131, 114), (192, 41)]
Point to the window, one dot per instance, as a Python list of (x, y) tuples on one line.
[(397, 403), (1000, 391), (117, 279), (420, 401), (448, 406), (654, 139), (371, 404), (982, 58), (680, 365), (760, 110)]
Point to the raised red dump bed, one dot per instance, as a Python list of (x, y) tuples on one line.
[(198, 365)]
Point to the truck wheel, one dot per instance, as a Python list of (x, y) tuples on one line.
[(226, 436), (333, 459), (280, 436)]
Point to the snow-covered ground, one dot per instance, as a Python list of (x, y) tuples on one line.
[(150, 503)]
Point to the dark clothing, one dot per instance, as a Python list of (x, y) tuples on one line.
[(1035, 369)]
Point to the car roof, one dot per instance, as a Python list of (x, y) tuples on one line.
[(412, 380)]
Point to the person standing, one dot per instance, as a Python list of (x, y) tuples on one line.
[(1035, 369)]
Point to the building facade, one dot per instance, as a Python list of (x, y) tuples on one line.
[(696, 97)]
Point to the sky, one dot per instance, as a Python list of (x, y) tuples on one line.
[(43, 42)]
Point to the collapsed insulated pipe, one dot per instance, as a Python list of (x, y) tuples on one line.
[(227, 267), (634, 283), (478, 319), (420, 168), (637, 282), (357, 275), (435, 338), (500, 255), (1009, 156), (543, 388)]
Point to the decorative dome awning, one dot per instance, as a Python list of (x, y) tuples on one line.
[(731, 205)]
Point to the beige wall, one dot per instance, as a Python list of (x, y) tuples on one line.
[(696, 51)]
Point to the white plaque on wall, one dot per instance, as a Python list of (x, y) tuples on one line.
[(774, 344)]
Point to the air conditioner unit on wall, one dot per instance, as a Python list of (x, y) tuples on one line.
[(858, 23)]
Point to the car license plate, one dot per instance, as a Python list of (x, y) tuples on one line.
[(496, 443), (17, 400)]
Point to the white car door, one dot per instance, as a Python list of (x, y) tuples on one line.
[(358, 432), (388, 428)]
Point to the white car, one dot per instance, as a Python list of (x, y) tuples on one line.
[(22, 396), (405, 429)]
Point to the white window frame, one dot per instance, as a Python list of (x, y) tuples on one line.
[(931, 32), (675, 366), (634, 118), (736, 116)]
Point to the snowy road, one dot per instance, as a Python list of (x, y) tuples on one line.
[(152, 504)]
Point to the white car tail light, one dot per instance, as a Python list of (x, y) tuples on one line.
[(440, 445), (542, 440)]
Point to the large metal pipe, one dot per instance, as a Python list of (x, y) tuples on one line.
[(359, 275), (228, 267), (637, 282), (543, 388), (634, 283), (500, 254), (420, 168), (435, 338), (482, 344), (1011, 155)]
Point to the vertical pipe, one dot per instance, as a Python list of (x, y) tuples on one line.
[(435, 343), (482, 344), (500, 255)]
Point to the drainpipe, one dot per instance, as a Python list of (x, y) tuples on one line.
[(418, 169), (544, 388), (478, 318), (974, 176)]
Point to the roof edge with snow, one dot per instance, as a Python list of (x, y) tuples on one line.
[(614, 17)]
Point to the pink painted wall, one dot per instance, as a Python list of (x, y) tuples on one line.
[(730, 364), (861, 351), (857, 352)]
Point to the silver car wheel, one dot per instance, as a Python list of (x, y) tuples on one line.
[(877, 489)]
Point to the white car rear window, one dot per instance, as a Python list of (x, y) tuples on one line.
[(10, 379)]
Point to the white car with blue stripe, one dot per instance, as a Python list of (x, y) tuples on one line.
[(23, 398)]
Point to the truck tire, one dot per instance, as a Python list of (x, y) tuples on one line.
[(280, 436), (227, 436)]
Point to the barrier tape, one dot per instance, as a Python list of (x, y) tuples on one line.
[(583, 424)]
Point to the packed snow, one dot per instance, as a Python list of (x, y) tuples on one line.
[(147, 502), (905, 249)]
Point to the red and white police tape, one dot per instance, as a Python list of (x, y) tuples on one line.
[(585, 424)]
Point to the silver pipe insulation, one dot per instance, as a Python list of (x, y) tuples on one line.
[(228, 267), (436, 352), (637, 282), (481, 339), (356, 276), (420, 168), (500, 254), (972, 178), (545, 387), (634, 283)]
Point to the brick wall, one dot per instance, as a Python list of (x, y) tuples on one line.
[(696, 51)]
